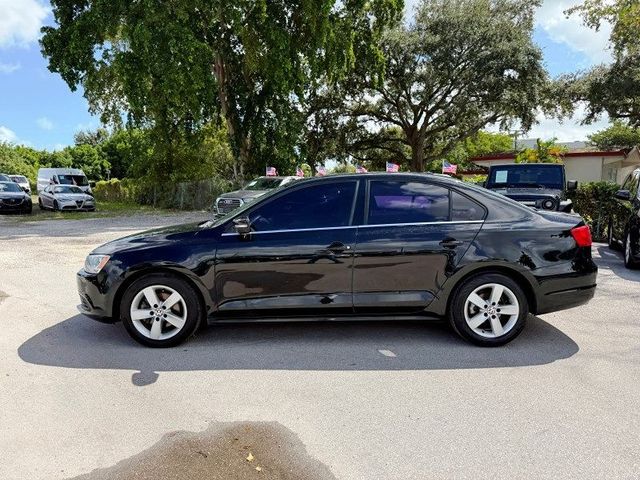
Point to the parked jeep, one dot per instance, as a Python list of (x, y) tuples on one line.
[(538, 185), (228, 202)]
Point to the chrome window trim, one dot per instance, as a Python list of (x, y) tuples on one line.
[(294, 230)]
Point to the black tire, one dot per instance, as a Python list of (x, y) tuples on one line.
[(456, 311), (56, 206), (194, 313), (613, 245), (627, 249), (40, 205)]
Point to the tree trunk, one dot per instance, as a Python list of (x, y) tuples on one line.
[(417, 153)]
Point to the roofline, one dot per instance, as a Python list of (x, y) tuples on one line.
[(512, 155)]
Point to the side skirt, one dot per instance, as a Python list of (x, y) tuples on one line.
[(213, 320)]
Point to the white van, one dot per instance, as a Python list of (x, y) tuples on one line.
[(62, 176)]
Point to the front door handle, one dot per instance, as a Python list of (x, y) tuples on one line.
[(338, 247), (451, 243)]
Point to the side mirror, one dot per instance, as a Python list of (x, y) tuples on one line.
[(623, 195), (572, 185), (242, 226)]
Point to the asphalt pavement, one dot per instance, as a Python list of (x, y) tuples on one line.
[(375, 400)]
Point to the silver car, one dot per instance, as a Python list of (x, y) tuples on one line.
[(22, 181), (65, 197), (228, 202)]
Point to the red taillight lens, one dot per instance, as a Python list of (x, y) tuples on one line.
[(582, 236)]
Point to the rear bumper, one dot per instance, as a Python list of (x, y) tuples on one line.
[(564, 299)]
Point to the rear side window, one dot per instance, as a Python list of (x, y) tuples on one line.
[(394, 202), (315, 206), (465, 209)]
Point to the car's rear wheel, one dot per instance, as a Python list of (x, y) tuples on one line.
[(629, 261), (489, 310), (40, 204), (160, 310)]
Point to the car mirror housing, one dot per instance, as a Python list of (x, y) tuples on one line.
[(572, 185), (242, 226), (623, 195)]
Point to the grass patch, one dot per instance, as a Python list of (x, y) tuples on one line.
[(104, 210)]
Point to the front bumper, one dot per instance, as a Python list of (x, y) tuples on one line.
[(17, 208), (77, 205), (95, 300)]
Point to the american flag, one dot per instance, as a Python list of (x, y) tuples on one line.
[(449, 168), (360, 169), (272, 172), (392, 167), (299, 172), (321, 171)]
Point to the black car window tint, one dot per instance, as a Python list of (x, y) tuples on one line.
[(393, 202), (315, 206), (465, 209)]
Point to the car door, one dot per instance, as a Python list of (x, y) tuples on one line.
[(414, 234), (46, 196), (298, 258), (625, 215)]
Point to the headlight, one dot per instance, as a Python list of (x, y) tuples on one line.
[(95, 263), (548, 204)]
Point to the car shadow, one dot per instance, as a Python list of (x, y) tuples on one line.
[(613, 260), (82, 343)]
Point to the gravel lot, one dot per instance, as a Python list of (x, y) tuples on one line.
[(307, 400)]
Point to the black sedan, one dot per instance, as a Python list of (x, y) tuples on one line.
[(364, 246), (14, 199), (624, 226)]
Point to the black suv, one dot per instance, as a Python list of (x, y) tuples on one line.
[(624, 226), (538, 185)]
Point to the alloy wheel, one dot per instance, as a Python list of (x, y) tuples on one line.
[(491, 310), (158, 312)]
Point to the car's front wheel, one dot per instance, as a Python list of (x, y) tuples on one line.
[(160, 310), (56, 206), (489, 310), (629, 260)]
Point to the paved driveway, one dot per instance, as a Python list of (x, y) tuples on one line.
[(307, 400)]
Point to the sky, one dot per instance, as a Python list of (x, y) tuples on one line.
[(38, 109)]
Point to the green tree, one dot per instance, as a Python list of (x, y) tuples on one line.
[(482, 143), (462, 64), (90, 160), (545, 152), (615, 88), (12, 162), (618, 135), (176, 66)]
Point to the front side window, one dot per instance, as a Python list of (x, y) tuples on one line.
[(315, 206), (394, 202)]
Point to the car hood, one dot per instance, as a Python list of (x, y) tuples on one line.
[(244, 194), (74, 196), (529, 193), (13, 195), (150, 238)]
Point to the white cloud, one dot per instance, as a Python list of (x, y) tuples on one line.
[(568, 130), (9, 67), (571, 32), (44, 123), (7, 135), (20, 21)]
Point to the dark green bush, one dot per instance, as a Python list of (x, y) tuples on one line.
[(596, 204)]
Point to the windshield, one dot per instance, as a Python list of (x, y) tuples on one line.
[(80, 180), (526, 176), (67, 190), (10, 187), (19, 179), (263, 183)]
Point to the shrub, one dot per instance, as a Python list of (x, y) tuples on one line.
[(112, 190), (596, 204)]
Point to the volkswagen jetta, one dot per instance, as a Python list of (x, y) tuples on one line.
[(411, 246)]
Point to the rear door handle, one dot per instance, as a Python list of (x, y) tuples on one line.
[(451, 243), (338, 247)]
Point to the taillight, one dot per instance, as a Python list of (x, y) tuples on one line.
[(582, 236)]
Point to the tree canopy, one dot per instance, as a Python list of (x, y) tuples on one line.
[(461, 65), (618, 135), (175, 67)]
